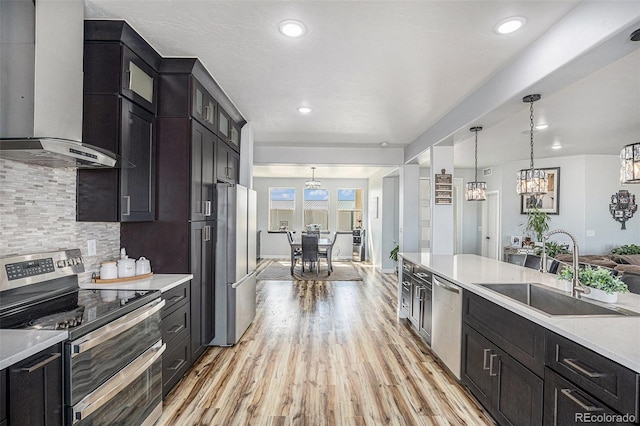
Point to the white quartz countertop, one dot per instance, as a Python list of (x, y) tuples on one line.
[(162, 282), (615, 337), (16, 345)]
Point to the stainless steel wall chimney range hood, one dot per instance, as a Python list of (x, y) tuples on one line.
[(41, 85)]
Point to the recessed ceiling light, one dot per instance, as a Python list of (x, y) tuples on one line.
[(304, 110), (542, 126), (384, 143), (292, 28), (509, 25), (556, 146)]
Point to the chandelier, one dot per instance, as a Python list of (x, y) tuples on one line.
[(630, 163), (476, 191), (313, 183), (531, 181)]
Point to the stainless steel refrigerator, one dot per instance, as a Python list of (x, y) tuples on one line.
[(235, 265)]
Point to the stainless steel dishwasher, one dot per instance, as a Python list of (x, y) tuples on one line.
[(446, 334)]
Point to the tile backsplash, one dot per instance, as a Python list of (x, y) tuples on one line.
[(38, 214)]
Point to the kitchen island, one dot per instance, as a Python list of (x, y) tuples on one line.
[(525, 366), (616, 337)]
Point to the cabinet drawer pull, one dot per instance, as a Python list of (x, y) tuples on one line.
[(491, 358), (484, 359), (176, 365), (40, 364), (573, 364), (176, 328), (127, 201), (176, 299), (569, 394), (128, 80)]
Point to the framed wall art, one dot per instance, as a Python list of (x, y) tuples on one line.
[(549, 202)]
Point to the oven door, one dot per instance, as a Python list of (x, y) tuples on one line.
[(93, 358), (133, 396)]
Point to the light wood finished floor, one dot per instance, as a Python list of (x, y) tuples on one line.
[(322, 352)]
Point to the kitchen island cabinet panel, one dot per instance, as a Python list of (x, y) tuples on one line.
[(521, 338), (509, 391), (591, 373)]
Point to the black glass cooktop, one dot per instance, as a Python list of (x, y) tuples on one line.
[(79, 311)]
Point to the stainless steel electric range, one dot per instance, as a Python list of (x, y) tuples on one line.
[(112, 357)]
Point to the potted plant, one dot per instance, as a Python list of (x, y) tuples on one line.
[(552, 249), (626, 249), (537, 223), (604, 286), (393, 254)]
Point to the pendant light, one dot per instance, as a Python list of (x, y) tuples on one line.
[(630, 163), (531, 181), (313, 183), (476, 191)]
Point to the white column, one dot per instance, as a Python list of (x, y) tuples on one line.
[(409, 201), (442, 225)]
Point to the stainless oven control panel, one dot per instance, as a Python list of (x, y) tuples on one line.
[(18, 271)]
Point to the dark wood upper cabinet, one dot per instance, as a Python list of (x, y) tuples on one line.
[(119, 114), (227, 163), (125, 194), (118, 61)]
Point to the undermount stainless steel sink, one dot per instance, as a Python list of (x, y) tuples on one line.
[(554, 303)]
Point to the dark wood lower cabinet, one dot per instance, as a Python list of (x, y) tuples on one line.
[(202, 289), (509, 391), (567, 404), (34, 389)]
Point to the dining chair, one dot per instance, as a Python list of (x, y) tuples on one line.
[(326, 253), (297, 253), (310, 252), (532, 261)]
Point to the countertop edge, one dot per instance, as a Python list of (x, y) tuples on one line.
[(573, 328), (161, 282), (18, 345)]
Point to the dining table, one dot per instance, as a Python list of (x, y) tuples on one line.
[(323, 243)]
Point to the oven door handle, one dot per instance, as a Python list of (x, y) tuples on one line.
[(117, 383), (116, 327)]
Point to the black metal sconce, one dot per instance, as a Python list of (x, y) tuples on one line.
[(623, 206)]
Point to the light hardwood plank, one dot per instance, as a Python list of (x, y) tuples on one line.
[(323, 353)]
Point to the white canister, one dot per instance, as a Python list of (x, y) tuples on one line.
[(143, 266), (108, 270), (126, 268)]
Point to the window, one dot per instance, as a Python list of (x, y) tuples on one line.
[(316, 207), (282, 204), (349, 209)]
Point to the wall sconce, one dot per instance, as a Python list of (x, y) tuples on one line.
[(623, 206)]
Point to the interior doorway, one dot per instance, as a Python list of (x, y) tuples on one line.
[(490, 237)]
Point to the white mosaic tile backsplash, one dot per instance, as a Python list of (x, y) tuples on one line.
[(38, 214)]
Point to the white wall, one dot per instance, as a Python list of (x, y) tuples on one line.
[(586, 186), (275, 245)]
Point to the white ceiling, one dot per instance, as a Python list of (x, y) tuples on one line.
[(378, 71)]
